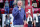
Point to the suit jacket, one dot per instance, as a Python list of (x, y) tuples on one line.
[(19, 16)]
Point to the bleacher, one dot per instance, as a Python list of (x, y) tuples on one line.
[(2, 8), (36, 3)]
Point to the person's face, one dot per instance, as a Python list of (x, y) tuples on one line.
[(19, 3), (29, 15), (37, 14)]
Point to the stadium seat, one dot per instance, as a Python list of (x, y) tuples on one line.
[(2, 11)]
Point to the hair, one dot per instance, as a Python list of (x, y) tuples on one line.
[(18, 1), (29, 14)]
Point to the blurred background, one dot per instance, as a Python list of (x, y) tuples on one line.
[(7, 6)]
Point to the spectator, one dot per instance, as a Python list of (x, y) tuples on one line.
[(11, 3), (37, 20), (7, 21), (6, 7), (29, 21), (39, 3)]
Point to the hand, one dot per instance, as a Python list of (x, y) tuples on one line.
[(32, 22), (25, 22), (19, 7)]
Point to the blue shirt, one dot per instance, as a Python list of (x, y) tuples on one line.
[(19, 16)]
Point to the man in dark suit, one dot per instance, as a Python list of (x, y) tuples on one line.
[(37, 20)]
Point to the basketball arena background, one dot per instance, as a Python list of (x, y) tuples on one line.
[(31, 6)]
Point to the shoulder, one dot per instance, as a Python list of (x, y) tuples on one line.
[(15, 8), (23, 9)]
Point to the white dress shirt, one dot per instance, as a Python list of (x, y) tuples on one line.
[(37, 19), (28, 19)]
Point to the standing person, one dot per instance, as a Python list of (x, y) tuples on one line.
[(29, 21), (6, 7), (7, 21), (19, 15), (37, 20), (11, 3)]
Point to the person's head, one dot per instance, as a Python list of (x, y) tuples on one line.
[(29, 15), (37, 13), (19, 3)]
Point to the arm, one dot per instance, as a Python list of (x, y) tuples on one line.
[(25, 18), (31, 19)]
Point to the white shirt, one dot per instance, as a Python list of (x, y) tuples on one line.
[(36, 19), (28, 19)]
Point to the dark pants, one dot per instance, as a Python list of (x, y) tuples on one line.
[(7, 25), (37, 24), (11, 4), (30, 25), (7, 11)]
